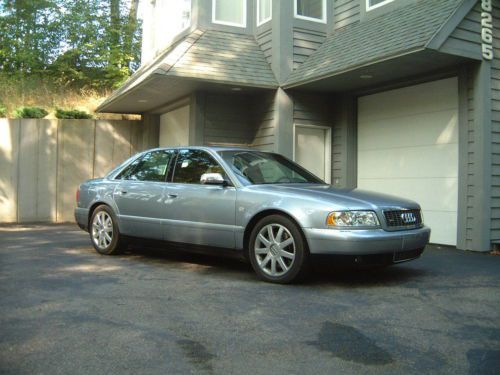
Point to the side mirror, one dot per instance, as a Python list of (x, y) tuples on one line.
[(212, 179)]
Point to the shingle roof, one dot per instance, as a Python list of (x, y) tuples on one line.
[(225, 57), (211, 55), (406, 29)]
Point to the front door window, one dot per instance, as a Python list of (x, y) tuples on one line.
[(192, 164)]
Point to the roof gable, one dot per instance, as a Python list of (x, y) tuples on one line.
[(461, 35)]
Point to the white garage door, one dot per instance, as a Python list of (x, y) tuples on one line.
[(174, 128), (408, 146), (312, 149)]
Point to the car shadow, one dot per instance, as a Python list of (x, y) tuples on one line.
[(365, 276), (232, 267), (172, 254)]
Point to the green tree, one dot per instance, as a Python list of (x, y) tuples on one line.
[(81, 43), (29, 35)]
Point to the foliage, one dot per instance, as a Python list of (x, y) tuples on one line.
[(30, 112), (44, 92), (3, 111), (75, 43), (72, 114)]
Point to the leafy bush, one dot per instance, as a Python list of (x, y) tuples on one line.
[(3, 111), (30, 112), (72, 113)]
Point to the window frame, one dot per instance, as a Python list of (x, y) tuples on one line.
[(243, 25), (262, 22), (318, 20), (372, 7)]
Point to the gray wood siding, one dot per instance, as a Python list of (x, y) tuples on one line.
[(240, 120), (313, 109), (346, 12), (305, 42), (466, 38), (495, 128), (265, 42), (227, 120), (471, 188), (264, 123)]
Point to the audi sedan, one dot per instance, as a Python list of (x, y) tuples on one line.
[(258, 204)]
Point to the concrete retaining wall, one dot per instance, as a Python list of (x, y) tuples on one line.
[(42, 162)]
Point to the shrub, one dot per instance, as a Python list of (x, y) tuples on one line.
[(30, 112), (72, 113), (3, 111)]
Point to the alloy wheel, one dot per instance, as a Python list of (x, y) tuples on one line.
[(102, 230), (274, 249)]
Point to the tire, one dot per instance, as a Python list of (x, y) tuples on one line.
[(282, 259), (104, 233)]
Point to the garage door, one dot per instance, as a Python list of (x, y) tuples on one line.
[(174, 128), (312, 149), (408, 146)]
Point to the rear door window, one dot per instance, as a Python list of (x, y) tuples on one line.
[(152, 166)]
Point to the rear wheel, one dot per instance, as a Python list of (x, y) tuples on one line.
[(104, 232), (277, 250)]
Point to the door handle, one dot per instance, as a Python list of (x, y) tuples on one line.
[(122, 192), (169, 195)]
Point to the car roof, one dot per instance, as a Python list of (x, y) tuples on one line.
[(206, 148)]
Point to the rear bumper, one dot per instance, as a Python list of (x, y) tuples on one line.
[(365, 242), (82, 218)]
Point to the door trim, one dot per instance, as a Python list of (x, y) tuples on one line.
[(328, 148)]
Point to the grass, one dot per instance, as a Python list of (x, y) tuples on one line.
[(37, 92)]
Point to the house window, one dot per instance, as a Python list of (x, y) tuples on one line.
[(311, 10), (264, 11), (230, 12), (171, 18), (372, 4)]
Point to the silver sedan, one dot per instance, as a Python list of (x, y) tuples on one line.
[(262, 205)]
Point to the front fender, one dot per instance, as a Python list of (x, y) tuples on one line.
[(306, 212)]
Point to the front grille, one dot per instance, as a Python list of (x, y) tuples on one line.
[(403, 218)]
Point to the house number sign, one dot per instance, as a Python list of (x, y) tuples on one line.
[(487, 29)]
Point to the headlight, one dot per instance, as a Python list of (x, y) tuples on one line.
[(352, 219)]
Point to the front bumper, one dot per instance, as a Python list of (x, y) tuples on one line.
[(365, 242)]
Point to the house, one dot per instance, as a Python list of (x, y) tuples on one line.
[(396, 96)]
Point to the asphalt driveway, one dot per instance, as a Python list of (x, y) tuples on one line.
[(64, 309)]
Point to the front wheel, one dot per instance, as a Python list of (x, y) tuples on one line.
[(104, 232), (277, 250)]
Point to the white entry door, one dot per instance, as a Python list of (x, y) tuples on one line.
[(408, 146), (312, 149)]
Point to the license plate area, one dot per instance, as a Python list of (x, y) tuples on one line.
[(401, 256)]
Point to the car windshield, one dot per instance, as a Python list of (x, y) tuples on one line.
[(255, 167)]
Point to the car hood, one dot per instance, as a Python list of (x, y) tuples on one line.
[(347, 198)]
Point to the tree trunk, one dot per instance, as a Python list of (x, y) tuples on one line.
[(130, 30), (115, 31)]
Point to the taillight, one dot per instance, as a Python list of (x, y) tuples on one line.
[(77, 195)]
